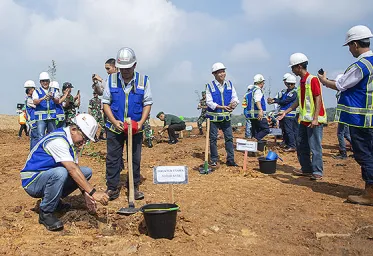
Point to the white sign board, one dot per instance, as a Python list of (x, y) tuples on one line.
[(245, 145), (275, 131), (189, 128), (170, 175)]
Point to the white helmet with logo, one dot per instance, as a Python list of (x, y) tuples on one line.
[(291, 79), (297, 58), (29, 84), (55, 85), (217, 66), (258, 78), (286, 75), (44, 76), (87, 124), (126, 58), (356, 33)]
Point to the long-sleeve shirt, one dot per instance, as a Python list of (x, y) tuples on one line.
[(209, 101)]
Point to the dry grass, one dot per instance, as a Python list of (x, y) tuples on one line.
[(8, 122)]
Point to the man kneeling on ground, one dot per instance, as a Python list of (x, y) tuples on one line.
[(52, 172), (171, 124)]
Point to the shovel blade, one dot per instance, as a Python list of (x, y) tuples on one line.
[(128, 210)]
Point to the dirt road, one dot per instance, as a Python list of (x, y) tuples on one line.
[(228, 212)]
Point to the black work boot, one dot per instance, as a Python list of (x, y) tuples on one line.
[(138, 194), (341, 155), (200, 131), (50, 221), (113, 194), (150, 143)]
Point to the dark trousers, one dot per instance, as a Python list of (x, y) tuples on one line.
[(174, 127), (226, 127), (23, 127), (289, 126), (343, 132), (114, 162), (362, 146), (259, 128)]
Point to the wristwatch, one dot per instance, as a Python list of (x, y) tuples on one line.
[(92, 192)]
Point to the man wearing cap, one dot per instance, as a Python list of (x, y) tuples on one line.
[(52, 172), (356, 103), (95, 109), (127, 95), (203, 107), (289, 124), (221, 100), (172, 123), (312, 116), (255, 109), (71, 103), (45, 107)]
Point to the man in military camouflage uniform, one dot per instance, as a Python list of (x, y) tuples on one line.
[(70, 104), (95, 109), (148, 132), (202, 105)]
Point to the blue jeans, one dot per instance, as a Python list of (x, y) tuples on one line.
[(289, 126), (226, 127), (45, 125), (248, 129), (33, 137), (362, 146), (309, 141), (343, 132), (54, 184)]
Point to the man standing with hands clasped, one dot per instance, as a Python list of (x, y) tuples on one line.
[(355, 105), (312, 115), (127, 94), (221, 100)]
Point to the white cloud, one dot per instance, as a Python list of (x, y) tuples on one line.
[(249, 51)]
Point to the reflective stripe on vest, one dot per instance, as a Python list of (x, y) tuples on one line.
[(45, 109), (254, 111), (367, 110), (307, 111)]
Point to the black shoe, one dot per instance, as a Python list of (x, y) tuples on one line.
[(231, 163), (150, 143), (341, 155), (63, 207), (138, 194), (113, 194), (173, 141), (213, 164), (50, 221)]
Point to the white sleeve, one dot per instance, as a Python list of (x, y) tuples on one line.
[(209, 102), (30, 103), (106, 96), (35, 95), (351, 78), (258, 94), (59, 149), (148, 98), (234, 96)]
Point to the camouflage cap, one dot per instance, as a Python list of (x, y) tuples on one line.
[(66, 85)]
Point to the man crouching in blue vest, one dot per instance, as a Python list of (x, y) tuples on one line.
[(221, 99), (127, 94), (52, 172)]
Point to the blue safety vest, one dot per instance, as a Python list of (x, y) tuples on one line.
[(252, 110), (288, 94), (30, 114), (355, 105), (60, 113), (46, 109), (39, 160), (124, 105), (221, 98)]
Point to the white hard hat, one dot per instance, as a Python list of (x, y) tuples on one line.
[(126, 58), (297, 58), (358, 33), (217, 66), (291, 79), (258, 78), (54, 84), (338, 76), (44, 76), (286, 75), (87, 124), (29, 84)]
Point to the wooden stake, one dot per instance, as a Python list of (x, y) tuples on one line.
[(171, 193), (245, 161)]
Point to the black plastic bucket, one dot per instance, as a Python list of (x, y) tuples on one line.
[(267, 166), (160, 219), (261, 145)]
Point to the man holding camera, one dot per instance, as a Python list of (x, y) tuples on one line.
[(71, 103)]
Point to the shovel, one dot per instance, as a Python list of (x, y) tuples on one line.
[(205, 169), (131, 196)]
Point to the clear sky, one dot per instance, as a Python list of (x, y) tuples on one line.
[(176, 43)]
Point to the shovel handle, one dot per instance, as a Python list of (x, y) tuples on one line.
[(131, 194), (207, 140)]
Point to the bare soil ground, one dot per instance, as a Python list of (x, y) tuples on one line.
[(228, 212)]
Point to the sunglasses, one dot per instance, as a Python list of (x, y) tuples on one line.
[(44, 81)]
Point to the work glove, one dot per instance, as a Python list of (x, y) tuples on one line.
[(135, 127)]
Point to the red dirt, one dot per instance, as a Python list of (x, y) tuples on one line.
[(228, 212)]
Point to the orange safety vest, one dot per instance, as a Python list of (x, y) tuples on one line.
[(22, 118)]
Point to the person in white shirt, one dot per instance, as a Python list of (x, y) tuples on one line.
[(221, 100)]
